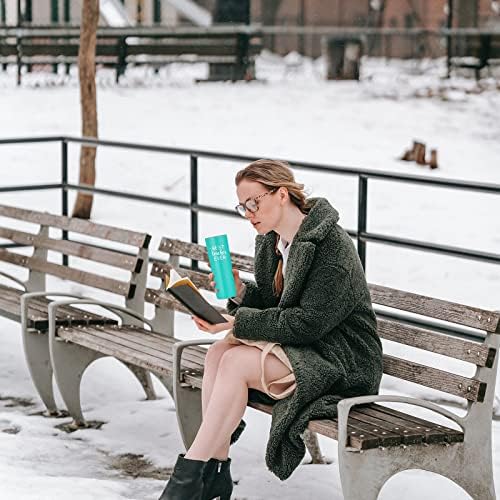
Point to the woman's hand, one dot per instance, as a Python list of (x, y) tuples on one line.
[(219, 327), (237, 281)]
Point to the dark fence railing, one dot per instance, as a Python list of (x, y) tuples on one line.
[(361, 233)]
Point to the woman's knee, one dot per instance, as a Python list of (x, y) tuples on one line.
[(241, 362), (216, 351)]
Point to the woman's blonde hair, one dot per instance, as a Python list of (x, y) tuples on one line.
[(275, 174)]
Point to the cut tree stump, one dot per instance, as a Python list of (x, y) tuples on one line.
[(433, 162)]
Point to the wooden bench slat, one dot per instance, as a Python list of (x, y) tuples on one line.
[(83, 277), (329, 428), (408, 436), (431, 432), (108, 348), (158, 341), (366, 429), (134, 340), (112, 233), (199, 252), (68, 314), (472, 352), (141, 340), (406, 301), (470, 389), (10, 310), (10, 307), (89, 252), (435, 308)]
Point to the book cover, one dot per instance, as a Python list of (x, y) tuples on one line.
[(185, 291)]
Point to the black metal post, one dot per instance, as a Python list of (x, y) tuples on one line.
[(449, 25), (64, 191), (157, 11), (54, 17), (362, 216), (302, 22), (18, 42), (28, 14), (194, 202), (121, 63), (3, 12), (67, 11)]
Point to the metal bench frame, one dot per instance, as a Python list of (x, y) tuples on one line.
[(35, 342), (467, 463)]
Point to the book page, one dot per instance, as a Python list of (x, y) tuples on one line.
[(175, 279)]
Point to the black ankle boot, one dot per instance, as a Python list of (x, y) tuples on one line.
[(186, 482), (217, 480)]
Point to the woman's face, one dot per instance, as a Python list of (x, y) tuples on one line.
[(270, 209)]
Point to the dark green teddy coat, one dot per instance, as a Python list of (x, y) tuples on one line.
[(324, 321)]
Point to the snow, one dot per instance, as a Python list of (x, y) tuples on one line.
[(291, 113)]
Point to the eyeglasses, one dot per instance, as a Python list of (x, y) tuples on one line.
[(252, 204)]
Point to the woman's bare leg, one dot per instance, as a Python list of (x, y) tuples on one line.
[(212, 360), (239, 370)]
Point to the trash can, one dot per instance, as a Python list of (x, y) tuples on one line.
[(343, 57)]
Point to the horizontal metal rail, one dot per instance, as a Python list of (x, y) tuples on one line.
[(363, 175), (34, 31), (318, 167), (29, 187)]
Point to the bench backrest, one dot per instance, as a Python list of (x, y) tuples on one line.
[(220, 44), (133, 260), (478, 388)]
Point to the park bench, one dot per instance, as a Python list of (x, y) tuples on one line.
[(373, 438), (118, 49), (26, 301)]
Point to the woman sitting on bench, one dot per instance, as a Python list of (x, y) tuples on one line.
[(302, 336)]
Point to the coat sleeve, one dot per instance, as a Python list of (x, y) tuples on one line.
[(251, 298), (329, 296)]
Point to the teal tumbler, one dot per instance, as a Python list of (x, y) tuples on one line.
[(222, 268)]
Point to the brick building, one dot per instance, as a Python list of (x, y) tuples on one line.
[(360, 13)]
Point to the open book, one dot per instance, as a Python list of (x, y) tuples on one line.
[(185, 291)]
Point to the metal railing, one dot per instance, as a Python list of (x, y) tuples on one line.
[(363, 175), (361, 233)]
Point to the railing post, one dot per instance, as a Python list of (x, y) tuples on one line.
[(19, 24), (362, 216), (64, 190), (449, 40), (193, 202)]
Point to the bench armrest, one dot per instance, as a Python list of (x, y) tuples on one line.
[(12, 278), (177, 349), (344, 407), (118, 310), (26, 297)]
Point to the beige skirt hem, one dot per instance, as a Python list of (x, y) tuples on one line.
[(269, 348)]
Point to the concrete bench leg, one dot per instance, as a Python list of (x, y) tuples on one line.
[(364, 474), (70, 362), (187, 399), (189, 412), (36, 351), (144, 378)]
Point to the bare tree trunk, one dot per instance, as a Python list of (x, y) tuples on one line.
[(88, 102)]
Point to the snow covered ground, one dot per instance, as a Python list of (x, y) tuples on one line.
[(293, 114)]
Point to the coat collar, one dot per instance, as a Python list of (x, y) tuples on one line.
[(321, 218)]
